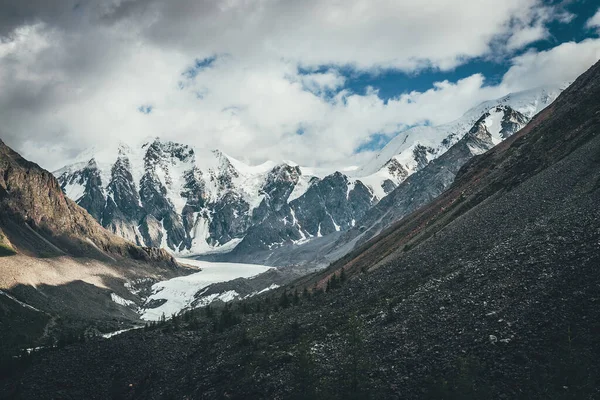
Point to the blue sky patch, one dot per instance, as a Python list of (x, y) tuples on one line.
[(145, 109), (199, 65), (392, 83), (376, 142)]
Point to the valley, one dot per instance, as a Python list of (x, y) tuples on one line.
[(195, 202), (274, 200)]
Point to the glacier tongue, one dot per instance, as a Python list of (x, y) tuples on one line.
[(181, 293)]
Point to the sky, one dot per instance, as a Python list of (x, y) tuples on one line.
[(318, 82)]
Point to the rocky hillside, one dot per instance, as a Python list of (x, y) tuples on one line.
[(490, 291), (58, 262), (191, 201), (494, 126), (37, 219)]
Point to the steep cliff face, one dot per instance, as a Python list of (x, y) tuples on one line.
[(330, 205), (37, 219), (193, 201), (170, 195), (122, 209)]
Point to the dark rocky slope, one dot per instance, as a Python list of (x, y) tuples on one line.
[(431, 180), (489, 292)]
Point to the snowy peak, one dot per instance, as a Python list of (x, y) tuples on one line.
[(171, 195), (280, 182), (492, 128), (502, 121), (191, 200), (532, 101), (414, 148)]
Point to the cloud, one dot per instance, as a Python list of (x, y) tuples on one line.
[(532, 26), (526, 36), (562, 63), (594, 22), (321, 83), (247, 77), (360, 33), (15, 14)]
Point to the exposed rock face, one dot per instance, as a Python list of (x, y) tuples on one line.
[(429, 182), (279, 184), (395, 170), (38, 220), (329, 205), (231, 218), (332, 204), (421, 155), (194, 202), (160, 158), (176, 204), (93, 198), (122, 209), (195, 192)]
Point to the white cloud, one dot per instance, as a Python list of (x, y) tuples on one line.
[(594, 22), (527, 35), (66, 86), (531, 26), (362, 33), (322, 82), (562, 63), (565, 17)]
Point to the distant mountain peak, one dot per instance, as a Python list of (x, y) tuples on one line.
[(193, 200), (528, 103)]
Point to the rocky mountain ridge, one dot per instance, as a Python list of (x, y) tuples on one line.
[(162, 197), (494, 126), (490, 291), (193, 202)]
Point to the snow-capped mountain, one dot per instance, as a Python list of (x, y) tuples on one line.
[(194, 201), (429, 182), (414, 148)]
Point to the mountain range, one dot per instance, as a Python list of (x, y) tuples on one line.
[(487, 291), (100, 222), (196, 202)]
